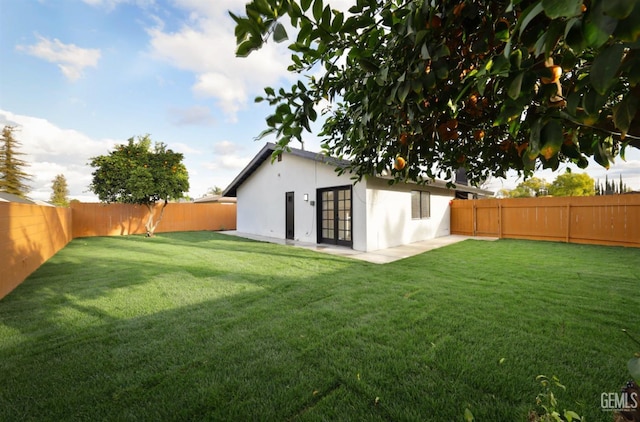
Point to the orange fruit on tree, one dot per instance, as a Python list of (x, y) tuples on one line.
[(400, 163), (478, 134), (403, 138), (556, 72)]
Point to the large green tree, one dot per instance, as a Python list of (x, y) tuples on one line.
[(59, 191), (488, 85), (531, 187), (137, 173), (573, 184), (13, 178)]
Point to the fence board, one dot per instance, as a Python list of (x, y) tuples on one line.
[(604, 220)]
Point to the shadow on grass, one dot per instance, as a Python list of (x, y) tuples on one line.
[(188, 356)]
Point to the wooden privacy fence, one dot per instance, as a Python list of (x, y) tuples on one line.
[(90, 219), (31, 234), (602, 220)]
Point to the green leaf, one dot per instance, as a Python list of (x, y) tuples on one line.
[(561, 8), (597, 26), (305, 4), (573, 100), (629, 28), (336, 25), (515, 86), (317, 10), (245, 48), (624, 112), (468, 416), (381, 77), (516, 59), (404, 91), (605, 66), (326, 17), (279, 33), (619, 9), (634, 368), (573, 34), (570, 415), (528, 15), (551, 139), (593, 102), (368, 64), (508, 112), (424, 52), (601, 156)]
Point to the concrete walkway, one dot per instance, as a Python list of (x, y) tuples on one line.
[(381, 256)]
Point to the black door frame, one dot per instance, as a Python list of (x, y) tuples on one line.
[(335, 218), (289, 227)]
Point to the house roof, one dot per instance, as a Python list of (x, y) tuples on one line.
[(215, 198), (267, 151), (9, 197)]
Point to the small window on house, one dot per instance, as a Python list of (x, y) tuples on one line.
[(420, 204)]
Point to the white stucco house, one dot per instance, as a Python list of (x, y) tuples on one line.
[(300, 196)]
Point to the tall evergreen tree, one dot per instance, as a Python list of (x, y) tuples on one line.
[(13, 179), (621, 188), (608, 186), (59, 196)]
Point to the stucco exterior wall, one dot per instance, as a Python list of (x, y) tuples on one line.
[(389, 215), (262, 206)]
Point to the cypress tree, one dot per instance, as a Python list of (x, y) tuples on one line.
[(13, 179), (59, 196)]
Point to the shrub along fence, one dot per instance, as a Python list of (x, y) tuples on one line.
[(31, 234), (602, 220)]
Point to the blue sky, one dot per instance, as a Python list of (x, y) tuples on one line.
[(79, 76)]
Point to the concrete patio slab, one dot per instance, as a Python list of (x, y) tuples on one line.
[(381, 256)]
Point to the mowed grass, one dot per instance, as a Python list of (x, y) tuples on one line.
[(203, 326)]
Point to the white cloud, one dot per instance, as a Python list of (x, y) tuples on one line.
[(70, 58), (228, 156), (111, 4), (196, 115), (50, 150), (184, 148), (205, 45), (225, 148)]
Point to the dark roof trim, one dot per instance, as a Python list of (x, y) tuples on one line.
[(265, 153), (442, 184)]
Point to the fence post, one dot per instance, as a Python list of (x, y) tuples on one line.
[(499, 219), (568, 221), (474, 218)]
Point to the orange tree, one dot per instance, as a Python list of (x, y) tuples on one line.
[(488, 85), (136, 173)]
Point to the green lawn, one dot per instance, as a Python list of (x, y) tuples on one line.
[(203, 326)]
